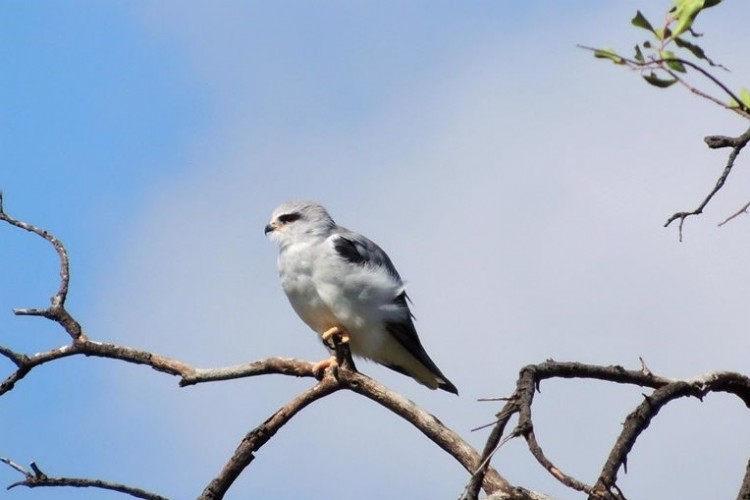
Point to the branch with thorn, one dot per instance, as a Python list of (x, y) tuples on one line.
[(665, 391)]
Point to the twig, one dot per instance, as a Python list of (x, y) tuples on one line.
[(741, 108), (490, 448), (36, 478), (16, 466), (662, 64), (714, 142), (18, 359), (56, 311), (739, 212)]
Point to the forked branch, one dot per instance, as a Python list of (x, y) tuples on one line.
[(345, 377), (665, 391), (715, 142)]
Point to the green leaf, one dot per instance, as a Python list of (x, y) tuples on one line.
[(639, 55), (696, 51), (640, 21), (673, 65), (685, 11), (607, 53), (745, 97), (692, 47), (662, 83)]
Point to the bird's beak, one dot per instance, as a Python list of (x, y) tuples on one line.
[(269, 228)]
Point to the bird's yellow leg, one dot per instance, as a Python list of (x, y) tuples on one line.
[(336, 330), (327, 337)]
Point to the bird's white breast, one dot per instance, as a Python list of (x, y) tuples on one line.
[(297, 265)]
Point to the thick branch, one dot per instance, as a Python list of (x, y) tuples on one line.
[(430, 426), (635, 423), (342, 377), (252, 442), (526, 387), (188, 374)]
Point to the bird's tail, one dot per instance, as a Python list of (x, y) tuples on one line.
[(415, 362)]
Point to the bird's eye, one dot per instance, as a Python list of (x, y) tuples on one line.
[(287, 218)]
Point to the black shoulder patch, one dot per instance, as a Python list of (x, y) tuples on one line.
[(349, 251), (356, 249)]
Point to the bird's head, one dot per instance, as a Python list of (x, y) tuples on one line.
[(298, 219)]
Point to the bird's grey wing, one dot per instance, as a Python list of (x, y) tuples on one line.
[(357, 249)]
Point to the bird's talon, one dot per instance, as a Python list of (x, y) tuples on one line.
[(329, 336), (320, 367)]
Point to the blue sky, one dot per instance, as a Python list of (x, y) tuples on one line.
[(518, 184)]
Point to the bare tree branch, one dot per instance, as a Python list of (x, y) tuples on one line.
[(430, 426), (252, 442), (491, 446), (665, 391), (56, 311), (637, 422), (15, 466), (36, 478), (714, 142), (344, 377)]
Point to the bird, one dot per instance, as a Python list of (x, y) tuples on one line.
[(341, 283)]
